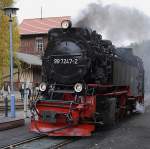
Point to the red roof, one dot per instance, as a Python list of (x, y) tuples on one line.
[(40, 26)]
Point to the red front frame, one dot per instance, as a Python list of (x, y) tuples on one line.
[(80, 112), (61, 127)]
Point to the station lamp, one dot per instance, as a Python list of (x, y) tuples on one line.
[(11, 12)]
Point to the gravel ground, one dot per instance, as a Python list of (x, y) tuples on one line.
[(132, 133), (15, 135), (45, 143)]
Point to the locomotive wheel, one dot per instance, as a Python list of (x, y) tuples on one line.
[(106, 107), (109, 115)]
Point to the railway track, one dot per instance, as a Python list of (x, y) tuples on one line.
[(10, 146), (63, 143), (30, 140), (18, 107)]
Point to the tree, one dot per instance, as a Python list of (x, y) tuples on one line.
[(4, 39)]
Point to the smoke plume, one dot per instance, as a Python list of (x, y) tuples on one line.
[(117, 23)]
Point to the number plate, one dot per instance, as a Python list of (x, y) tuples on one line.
[(74, 61)]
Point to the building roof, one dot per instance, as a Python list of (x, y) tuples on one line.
[(29, 59), (40, 26)]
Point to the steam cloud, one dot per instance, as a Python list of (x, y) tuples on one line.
[(142, 49), (117, 23), (121, 25)]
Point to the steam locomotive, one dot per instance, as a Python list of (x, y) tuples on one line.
[(87, 82)]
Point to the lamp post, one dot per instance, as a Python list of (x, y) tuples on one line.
[(11, 12)]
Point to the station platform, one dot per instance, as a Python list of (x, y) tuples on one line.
[(9, 123)]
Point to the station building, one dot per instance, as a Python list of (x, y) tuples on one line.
[(33, 35)]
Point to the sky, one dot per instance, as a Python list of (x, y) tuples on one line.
[(52, 8)]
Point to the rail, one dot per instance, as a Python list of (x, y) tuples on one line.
[(55, 146)]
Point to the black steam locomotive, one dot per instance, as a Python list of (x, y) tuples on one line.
[(86, 81)]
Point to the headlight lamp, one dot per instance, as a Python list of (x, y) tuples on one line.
[(78, 87), (42, 86), (65, 24)]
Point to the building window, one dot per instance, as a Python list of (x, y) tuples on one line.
[(39, 44)]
